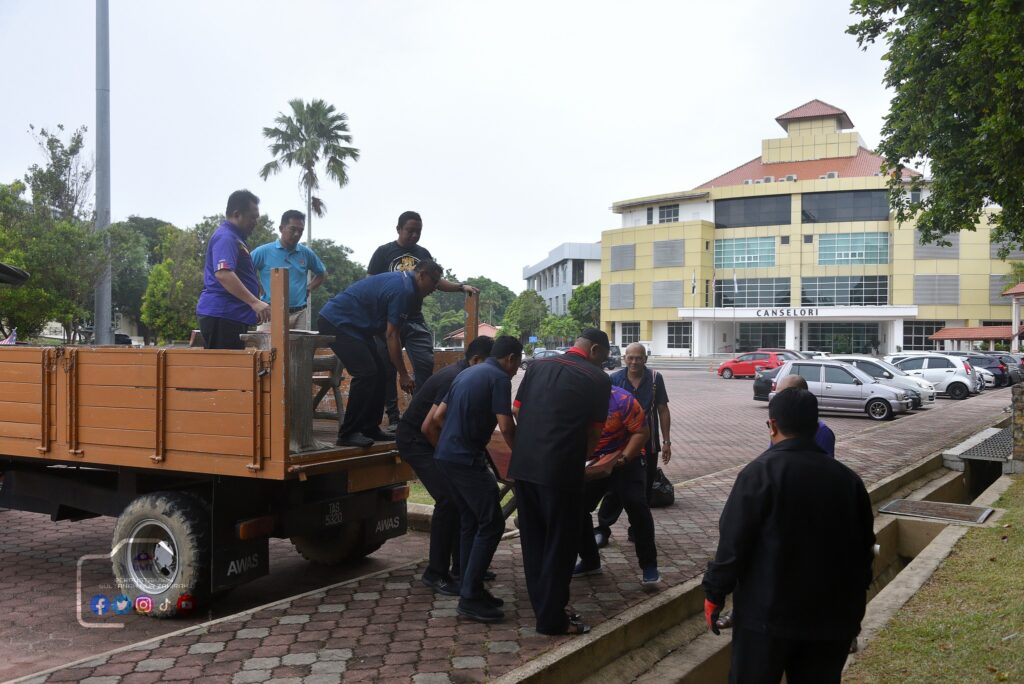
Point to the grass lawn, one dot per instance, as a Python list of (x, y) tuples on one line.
[(418, 494), (967, 622)]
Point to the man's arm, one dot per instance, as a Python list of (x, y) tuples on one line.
[(448, 286), (230, 282), (507, 425), (635, 446), (738, 529), (433, 423), (316, 282), (665, 421), (593, 436), (393, 337)]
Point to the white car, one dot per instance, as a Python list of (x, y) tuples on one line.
[(951, 375), (986, 375), (922, 392)]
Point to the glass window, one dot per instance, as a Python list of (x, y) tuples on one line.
[(577, 271), (623, 257), (855, 205), (872, 369), (668, 213), (758, 357), (843, 337), (838, 376), (912, 364), (916, 334), (680, 335), (808, 372), (845, 291), (752, 292), (939, 362), (630, 333), (650, 215), (745, 252), (745, 357), (761, 335), (773, 210), (853, 248)]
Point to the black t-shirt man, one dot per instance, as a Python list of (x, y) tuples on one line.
[(394, 257), (433, 392)]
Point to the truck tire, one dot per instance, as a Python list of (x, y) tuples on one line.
[(335, 546), (161, 550)]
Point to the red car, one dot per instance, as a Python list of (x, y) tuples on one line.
[(747, 365)]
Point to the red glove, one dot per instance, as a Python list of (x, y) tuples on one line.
[(711, 613)]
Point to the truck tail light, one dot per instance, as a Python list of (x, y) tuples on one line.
[(400, 493), (256, 527)]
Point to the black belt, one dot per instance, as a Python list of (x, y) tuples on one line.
[(293, 309)]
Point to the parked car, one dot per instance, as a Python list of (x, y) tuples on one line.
[(996, 366), (814, 354), (843, 388), (747, 365), (788, 353), (951, 375), (614, 358), (986, 376), (922, 393), (540, 354), (763, 383)]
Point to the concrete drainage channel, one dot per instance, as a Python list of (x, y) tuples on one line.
[(664, 638)]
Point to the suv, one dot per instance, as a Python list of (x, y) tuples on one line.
[(994, 365), (747, 365), (951, 375), (922, 392), (842, 388)]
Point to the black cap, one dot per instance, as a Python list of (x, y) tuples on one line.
[(598, 337)]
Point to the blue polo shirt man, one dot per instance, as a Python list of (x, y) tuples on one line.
[(289, 252), (374, 306), (229, 302), (479, 399)]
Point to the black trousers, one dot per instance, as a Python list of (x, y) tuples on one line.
[(444, 523), (759, 658), (366, 391), (611, 507), (549, 530), (628, 484), (476, 494), (419, 345), (222, 333)]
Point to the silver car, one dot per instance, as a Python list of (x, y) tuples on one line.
[(951, 375), (843, 388), (922, 393)]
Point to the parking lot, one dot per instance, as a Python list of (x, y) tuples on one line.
[(716, 427)]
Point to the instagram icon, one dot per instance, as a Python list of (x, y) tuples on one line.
[(143, 604)]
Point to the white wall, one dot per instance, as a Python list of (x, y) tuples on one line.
[(693, 210)]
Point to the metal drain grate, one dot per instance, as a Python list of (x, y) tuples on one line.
[(937, 510), (998, 447)]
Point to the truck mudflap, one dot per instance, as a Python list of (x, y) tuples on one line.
[(389, 522)]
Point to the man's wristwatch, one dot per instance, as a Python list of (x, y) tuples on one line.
[(666, 442)]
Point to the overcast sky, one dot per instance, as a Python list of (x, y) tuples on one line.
[(511, 127)]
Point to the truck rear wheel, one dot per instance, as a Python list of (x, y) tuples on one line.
[(162, 551), (335, 546)]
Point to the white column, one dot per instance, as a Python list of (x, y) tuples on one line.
[(697, 339), (1015, 325), (792, 338), (895, 336)]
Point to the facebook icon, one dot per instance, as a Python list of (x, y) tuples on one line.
[(100, 605)]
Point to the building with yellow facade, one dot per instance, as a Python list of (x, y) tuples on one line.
[(796, 248)]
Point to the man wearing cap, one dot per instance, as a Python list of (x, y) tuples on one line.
[(561, 408), (288, 252), (229, 302), (795, 549)]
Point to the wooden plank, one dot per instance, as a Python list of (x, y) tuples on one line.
[(19, 372), (114, 375), (210, 378), (142, 419), (22, 391), (206, 358), (200, 423), (107, 436), (209, 444), (17, 412), (22, 430), (20, 355), (116, 397), (217, 401), (118, 357)]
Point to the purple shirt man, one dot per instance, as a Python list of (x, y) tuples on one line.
[(227, 251)]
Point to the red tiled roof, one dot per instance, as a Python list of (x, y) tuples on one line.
[(815, 109), (988, 332), (864, 163), (1015, 290), (482, 329)]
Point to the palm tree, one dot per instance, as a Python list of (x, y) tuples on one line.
[(315, 132)]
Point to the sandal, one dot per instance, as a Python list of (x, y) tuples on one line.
[(576, 627)]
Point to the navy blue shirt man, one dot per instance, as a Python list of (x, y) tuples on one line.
[(368, 308), (480, 398), (417, 450), (229, 302)]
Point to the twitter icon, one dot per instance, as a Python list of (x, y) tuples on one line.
[(122, 604)]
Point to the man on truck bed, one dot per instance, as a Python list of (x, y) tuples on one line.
[(229, 302), (289, 252), (374, 306), (402, 255)]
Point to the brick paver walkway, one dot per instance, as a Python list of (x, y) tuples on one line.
[(387, 627)]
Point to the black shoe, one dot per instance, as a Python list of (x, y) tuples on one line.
[(600, 539), (492, 599), (379, 435), (441, 585), (354, 440), (479, 610)]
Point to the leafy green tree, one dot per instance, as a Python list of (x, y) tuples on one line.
[(957, 71), (494, 298), (27, 307), (585, 304), (60, 187), (341, 271), (129, 267), (445, 311), (525, 314), (559, 329), (168, 307), (314, 133)]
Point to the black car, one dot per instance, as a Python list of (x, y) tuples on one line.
[(763, 383), (614, 358), (996, 366)]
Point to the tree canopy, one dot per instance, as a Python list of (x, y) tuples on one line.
[(524, 315), (585, 304), (957, 71), (559, 329), (60, 187)]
